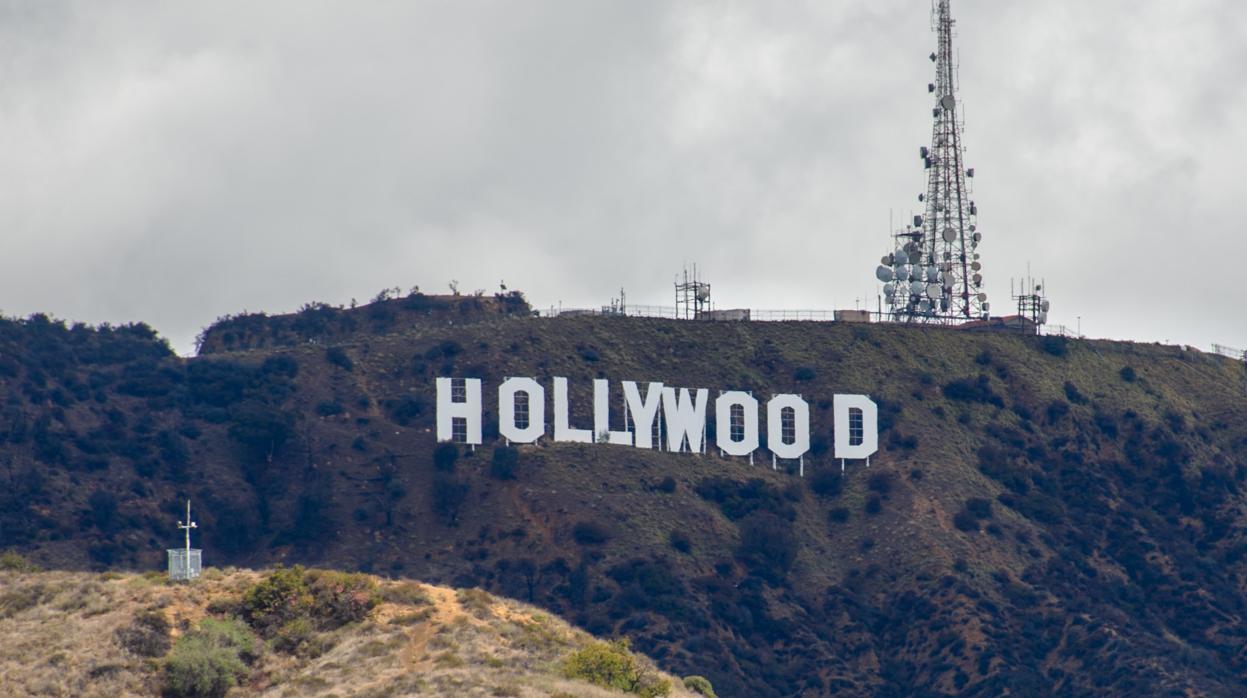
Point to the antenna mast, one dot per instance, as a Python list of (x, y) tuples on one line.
[(934, 275)]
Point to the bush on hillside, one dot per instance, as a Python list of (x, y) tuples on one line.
[(210, 660), (612, 665), (502, 465), (147, 636), (338, 357), (449, 494), (768, 545), (973, 390), (1128, 374), (826, 482), (590, 533), (444, 457), (700, 685), (289, 598), (1055, 345)]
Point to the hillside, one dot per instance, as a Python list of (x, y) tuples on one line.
[(84, 634), (1045, 516)]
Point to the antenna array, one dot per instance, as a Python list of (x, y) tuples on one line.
[(934, 274)]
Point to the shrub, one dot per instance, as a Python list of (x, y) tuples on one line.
[(881, 482), (12, 561), (874, 505), (612, 665), (838, 515), (1128, 374), (406, 408), (680, 541), (147, 636), (1073, 395), (767, 545), (502, 465), (329, 408), (1054, 345), (804, 374), (979, 508), (449, 494), (827, 482), (965, 521), (590, 533), (337, 356), (973, 390), (444, 457), (278, 598), (340, 598), (209, 661), (700, 685), (666, 485), (984, 358)]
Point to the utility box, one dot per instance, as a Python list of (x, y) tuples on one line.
[(852, 316), (185, 564)]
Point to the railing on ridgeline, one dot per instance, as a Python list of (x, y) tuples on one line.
[(1229, 352), (726, 315)]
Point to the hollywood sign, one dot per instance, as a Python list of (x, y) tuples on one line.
[(680, 414)]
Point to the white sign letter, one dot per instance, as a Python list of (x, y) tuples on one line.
[(801, 426), (850, 444), (723, 423), (562, 427), (469, 409), (602, 416), (536, 415), (643, 413), (686, 417)]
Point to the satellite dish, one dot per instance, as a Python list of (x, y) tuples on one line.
[(978, 237), (917, 287), (924, 307), (978, 279), (982, 297), (939, 206), (976, 266), (884, 274), (934, 291), (889, 288), (903, 272), (1046, 306), (987, 307), (703, 294), (1043, 318), (933, 274), (891, 300), (948, 102), (886, 260), (950, 234), (973, 227)]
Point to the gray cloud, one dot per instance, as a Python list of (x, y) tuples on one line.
[(176, 161)]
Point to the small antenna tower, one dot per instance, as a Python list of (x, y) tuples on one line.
[(186, 563), (1032, 304), (934, 274), (692, 296)]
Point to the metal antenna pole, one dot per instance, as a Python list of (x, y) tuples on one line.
[(187, 525)]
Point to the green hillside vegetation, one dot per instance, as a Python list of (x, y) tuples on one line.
[(296, 632), (1045, 516)]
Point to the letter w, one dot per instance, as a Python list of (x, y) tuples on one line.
[(686, 418)]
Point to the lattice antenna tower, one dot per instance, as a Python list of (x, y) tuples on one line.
[(692, 296), (934, 274), (1032, 303)]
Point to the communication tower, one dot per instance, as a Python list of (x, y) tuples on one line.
[(1032, 304), (186, 563), (934, 273), (692, 296)]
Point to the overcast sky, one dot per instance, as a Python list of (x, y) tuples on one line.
[(175, 161)]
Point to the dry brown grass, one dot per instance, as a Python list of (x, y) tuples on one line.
[(73, 634)]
